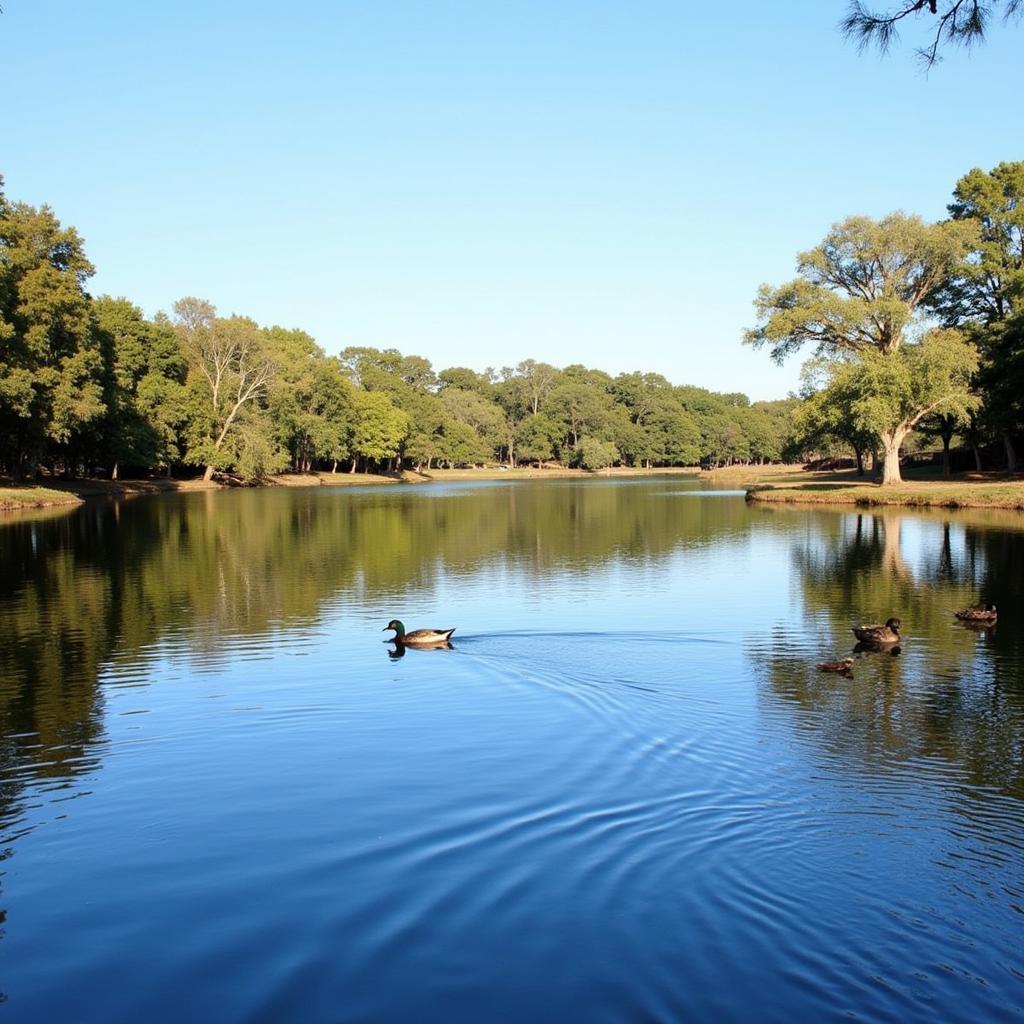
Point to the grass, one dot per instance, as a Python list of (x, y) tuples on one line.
[(920, 489), (12, 498)]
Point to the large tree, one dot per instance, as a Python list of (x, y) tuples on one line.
[(144, 382), (859, 297), (985, 295), (51, 365), (232, 366), (950, 23)]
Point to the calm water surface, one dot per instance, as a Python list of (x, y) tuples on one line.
[(625, 795)]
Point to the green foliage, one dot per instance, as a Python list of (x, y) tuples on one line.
[(857, 297), (51, 390), (593, 453), (379, 427), (257, 455), (861, 288), (144, 385), (536, 438), (96, 381)]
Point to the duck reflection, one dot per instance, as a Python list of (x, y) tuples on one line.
[(396, 651)]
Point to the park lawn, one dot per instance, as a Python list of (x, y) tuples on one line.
[(920, 489)]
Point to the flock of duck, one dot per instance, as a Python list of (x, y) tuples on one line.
[(887, 637), (884, 637)]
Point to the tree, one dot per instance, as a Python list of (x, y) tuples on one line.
[(310, 401), (956, 23), (232, 367), (943, 425), (379, 429), (468, 380), (538, 379), (580, 407), (889, 395), (985, 295), (827, 414), (594, 454), (483, 416), (373, 368), (859, 297), (536, 438), (144, 386), (51, 364)]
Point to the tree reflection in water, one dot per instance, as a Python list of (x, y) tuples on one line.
[(953, 694)]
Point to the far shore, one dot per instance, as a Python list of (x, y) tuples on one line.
[(778, 484), (72, 492)]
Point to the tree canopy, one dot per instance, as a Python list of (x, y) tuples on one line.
[(860, 300)]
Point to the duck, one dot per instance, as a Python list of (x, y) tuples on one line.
[(879, 635), (418, 637), (978, 616), (843, 668)]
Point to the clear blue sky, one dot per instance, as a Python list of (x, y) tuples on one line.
[(479, 181)]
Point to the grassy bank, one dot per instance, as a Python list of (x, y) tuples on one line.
[(920, 489), (13, 498)]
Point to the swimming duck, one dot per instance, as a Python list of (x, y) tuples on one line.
[(419, 637), (843, 668), (887, 634), (978, 616)]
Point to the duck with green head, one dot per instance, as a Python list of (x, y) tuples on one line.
[(418, 637)]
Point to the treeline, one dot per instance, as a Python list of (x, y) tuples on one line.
[(917, 330), (92, 386)]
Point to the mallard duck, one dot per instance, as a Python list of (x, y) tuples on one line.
[(843, 668), (978, 616), (419, 637), (887, 634)]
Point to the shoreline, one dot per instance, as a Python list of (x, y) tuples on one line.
[(1006, 494), (774, 484), (71, 493)]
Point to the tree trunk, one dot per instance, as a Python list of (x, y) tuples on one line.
[(355, 458), (334, 467), (891, 464), (208, 475), (977, 457), (859, 452), (947, 469), (1011, 455), (113, 472)]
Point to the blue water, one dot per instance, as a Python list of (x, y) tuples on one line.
[(626, 794)]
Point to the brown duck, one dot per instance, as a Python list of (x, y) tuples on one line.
[(978, 616), (843, 668), (879, 635)]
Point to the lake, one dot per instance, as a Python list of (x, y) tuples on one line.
[(626, 794)]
